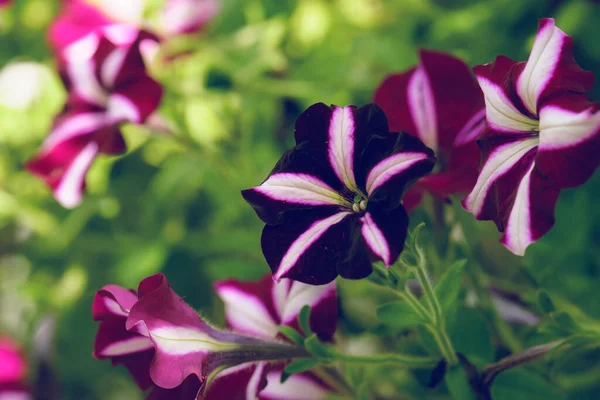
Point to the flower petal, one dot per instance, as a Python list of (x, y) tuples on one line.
[(387, 179), (341, 144), (501, 159), (134, 101), (188, 390), (112, 301), (569, 140), (187, 16), (503, 108), (113, 340), (384, 231), (433, 101), (550, 68), (312, 246), (297, 387), (321, 299), (243, 382), (248, 307), (532, 213)]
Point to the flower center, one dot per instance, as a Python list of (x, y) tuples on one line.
[(359, 204)]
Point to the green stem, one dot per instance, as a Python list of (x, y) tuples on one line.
[(415, 304), (437, 326), (399, 359)]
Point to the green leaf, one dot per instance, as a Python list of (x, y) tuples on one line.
[(297, 366), (458, 384), (317, 348), (520, 384), (292, 335), (470, 334), (363, 392), (304, 320), (400, 315), (545, 302), (448, 287), (565, 321)]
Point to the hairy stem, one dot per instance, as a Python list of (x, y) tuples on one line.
[(398, 359)]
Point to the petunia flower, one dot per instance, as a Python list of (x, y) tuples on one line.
[(439, 102), (165, 345), (12, 371), (108, 84), (187, 16), (543, 136), (79, 18), (259, 309), (332, 204)]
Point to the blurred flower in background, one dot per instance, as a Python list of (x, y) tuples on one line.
[(186, 16), (12, 371), (107, 81), (439, 102)]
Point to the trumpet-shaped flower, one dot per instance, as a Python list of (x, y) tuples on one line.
[(543, 135), (332, 204), (259, 309), (439, 102), (108, 85), (165, 344)]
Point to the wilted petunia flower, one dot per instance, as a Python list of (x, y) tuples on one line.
[(108, 85), (165, 344), (12, 371), (439, 102), (187, 16), (543, 135), (259, 309), (332, 204)]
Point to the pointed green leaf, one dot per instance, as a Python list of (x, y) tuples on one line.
[(292, 335), (297, 366), (565, 321), (304, 320), (448, 288), (400, 315)]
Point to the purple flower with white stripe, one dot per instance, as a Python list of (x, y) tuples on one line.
[(108, 85), (543, 136), (259, 309), (332, 204)]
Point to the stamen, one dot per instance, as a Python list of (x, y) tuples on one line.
[(363, 205), (355, 207)]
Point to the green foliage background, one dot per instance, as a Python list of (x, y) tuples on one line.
[(172, 204)]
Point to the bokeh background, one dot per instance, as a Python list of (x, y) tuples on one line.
[(172, 203)]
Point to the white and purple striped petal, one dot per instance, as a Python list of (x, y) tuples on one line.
[(341, 144)]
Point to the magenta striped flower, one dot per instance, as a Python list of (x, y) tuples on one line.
[(259, 309), (108, 84), (439, 102), (543, 135), (332, 204), (165, 345)]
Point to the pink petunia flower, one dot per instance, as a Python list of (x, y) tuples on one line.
[(259, 309), (439, 102), (543, 136), (107, 81)]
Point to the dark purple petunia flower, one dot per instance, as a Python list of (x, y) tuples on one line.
[(439, 102), (259, 309), (543, 135), (108, 85), (332, 204)]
